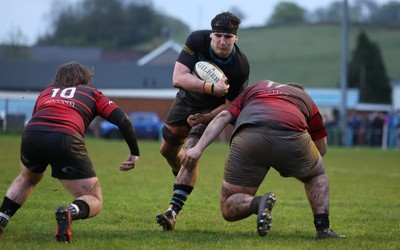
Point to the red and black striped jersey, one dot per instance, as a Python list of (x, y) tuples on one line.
[(278, 106), (69, 109)]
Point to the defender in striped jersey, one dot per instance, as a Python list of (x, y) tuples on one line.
[(279, 126), (55, 136)]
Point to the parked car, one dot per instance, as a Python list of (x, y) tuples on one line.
[(146, 124)]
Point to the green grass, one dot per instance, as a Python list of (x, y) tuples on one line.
[(365, 204), (311, 54)]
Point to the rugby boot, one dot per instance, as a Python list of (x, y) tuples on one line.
[(328, 233), (63, 231), (264, 217), (167, 220)]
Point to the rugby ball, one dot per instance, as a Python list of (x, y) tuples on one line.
[(208, 71)]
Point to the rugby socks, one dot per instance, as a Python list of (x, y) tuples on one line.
[(321, 221), (181, 193), (79, 209), (9, 207), (254, 204)]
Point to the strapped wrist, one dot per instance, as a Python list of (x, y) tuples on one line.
[(208, 88)]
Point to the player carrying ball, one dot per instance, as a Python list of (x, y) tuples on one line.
[(198, 101)]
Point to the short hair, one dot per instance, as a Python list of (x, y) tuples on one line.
[(225, 22), (71, 74)]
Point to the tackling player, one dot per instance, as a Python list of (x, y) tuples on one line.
[(279, 126), (55, 136)]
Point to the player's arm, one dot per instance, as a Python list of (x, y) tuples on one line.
[(199, 118), (183, 78), (212, 131), (321, 145), (121, 119), (318, 133)]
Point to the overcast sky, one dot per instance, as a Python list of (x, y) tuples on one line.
[(32, 17)]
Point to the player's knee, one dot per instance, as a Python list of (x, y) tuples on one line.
[(226, 214), (225, 208), (168, 152)]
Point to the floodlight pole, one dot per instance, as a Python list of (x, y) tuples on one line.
[(343, 75)]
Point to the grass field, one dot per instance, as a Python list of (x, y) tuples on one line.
[(365, 204)]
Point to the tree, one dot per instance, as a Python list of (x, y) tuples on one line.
[(110, 24), (367, 72), (388, 14), (287, 13), (14, 47), (367, 9), (334, 12)]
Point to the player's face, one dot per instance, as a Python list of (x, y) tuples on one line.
[(222, 43)]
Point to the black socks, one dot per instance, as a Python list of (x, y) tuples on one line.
[(181, 193)]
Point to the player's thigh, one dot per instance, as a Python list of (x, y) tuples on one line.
[(173, 137), (34, 151), (30, 176), (70, 160), (83, 187), (229, 189), (318, 169), (247, 163), (294, 154)]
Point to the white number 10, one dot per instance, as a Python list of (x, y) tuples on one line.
[(65, 93)]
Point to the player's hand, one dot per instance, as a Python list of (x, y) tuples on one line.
[(191, 156), (198, 118), (129, 163), (195, 119), (221, 87)]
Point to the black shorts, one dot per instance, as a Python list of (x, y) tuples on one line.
[(66, 154), (177, 117), (255, 149), (180, 111)]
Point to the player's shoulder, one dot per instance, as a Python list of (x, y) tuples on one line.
[(87, 87), (241, 55), (200, 35), (89, 90)]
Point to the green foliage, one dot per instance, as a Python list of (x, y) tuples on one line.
[(388, 14), (286, 13), (333, 13), (367, 72), (110, 24), (13, 51), (363, 187)]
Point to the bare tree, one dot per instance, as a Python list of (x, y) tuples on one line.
[(15, 37)]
